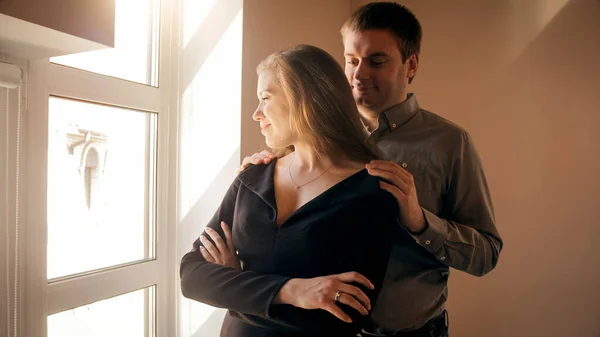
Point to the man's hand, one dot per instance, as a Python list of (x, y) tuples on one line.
[(403, 188), (224, 252), (320, 293), (264, 157)]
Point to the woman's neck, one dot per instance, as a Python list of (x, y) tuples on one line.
[(307, 159)]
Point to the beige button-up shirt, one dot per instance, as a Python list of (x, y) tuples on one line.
[(454, 196)]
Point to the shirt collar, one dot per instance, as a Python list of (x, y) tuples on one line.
[(399, 114)]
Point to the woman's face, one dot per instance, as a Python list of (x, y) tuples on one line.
[(273, 112)]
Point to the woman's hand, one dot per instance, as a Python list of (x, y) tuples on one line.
[(321, 293), (223, 253)]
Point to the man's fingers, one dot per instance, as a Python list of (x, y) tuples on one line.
[(395, 180), (353, 276), (228, 238), (221, 246), (357, 294), (351, 301), (259, 158), (211, 249), (336, 311), (267, 154), (247, 161), (390, 167), (206, 255), (395, 191)]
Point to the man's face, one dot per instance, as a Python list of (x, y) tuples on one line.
[(375, 70)]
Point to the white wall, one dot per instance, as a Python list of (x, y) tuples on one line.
[(210, 92), (523, 77)]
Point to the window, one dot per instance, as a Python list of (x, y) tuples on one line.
[(128, 315), (135, 55), (101, 174), (98, 185)]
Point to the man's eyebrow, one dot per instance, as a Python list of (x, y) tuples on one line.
[(376, 54), (379, 54)]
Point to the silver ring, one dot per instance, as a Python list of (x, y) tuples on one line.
[(337, 296)]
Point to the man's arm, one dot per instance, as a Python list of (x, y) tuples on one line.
[(466, 238)]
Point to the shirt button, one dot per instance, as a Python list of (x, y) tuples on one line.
[(394, 126), (405, 165), (427, 242), (442, 258)]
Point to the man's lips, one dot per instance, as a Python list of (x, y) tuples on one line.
[(363, 88)]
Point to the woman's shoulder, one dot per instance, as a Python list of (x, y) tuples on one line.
[(258, 175)]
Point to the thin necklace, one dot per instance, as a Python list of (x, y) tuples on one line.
[(306, 183)]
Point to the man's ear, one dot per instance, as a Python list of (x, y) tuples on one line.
[(413, 65)]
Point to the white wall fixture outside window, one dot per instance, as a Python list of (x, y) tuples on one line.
[(99, 180)]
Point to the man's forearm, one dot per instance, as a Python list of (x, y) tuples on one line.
[(460, 246)]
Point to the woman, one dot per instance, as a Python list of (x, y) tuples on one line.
[(313, 212)]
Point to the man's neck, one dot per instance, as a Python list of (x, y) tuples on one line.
[(370, 117), (370, 122)]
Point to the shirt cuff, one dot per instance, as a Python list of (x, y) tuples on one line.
[(269, 313), (434, 236)]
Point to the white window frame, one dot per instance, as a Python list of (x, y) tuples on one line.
[(39, 298)]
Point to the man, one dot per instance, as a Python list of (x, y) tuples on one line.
[(450, 222)]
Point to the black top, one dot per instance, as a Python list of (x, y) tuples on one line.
[(346, 228)]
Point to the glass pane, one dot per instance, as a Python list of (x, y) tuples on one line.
[(129, 315), (101, 178), (135, 56)]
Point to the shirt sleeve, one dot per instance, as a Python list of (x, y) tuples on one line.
[(224, 287), (465, 237)]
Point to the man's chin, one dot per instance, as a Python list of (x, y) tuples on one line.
[(365, 102)]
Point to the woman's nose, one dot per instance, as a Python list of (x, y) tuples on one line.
[(258, 114)]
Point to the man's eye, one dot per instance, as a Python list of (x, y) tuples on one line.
[(353, 62)]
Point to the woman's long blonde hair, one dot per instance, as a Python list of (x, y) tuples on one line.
[(323, 113)]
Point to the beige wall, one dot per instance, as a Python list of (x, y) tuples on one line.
[(271, 25), (524, 78), (91, 20)]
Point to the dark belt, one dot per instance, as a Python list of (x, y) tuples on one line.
[(435, 327)]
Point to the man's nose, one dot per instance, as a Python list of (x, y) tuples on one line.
[(362, 71)]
